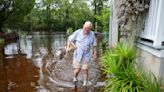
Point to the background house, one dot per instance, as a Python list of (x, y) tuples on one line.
[(149, 27)]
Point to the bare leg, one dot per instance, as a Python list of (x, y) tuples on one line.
[(76, 72), (85, 74)]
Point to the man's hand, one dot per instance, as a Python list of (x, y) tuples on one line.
[(70, 46), (94, 56)]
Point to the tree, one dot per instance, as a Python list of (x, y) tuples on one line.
[(12, 12), (59, 15), (101, 15)]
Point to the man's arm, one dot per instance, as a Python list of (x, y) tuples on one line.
[(94, 47), (70, 45), (70, 41), (94, 53)]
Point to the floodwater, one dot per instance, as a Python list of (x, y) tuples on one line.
[(21, 61), (22, 64)]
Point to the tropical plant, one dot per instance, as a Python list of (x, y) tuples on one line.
[(127, 81), (120, 62), (118, 59), (151, 83)]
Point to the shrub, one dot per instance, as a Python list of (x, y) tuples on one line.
[(120, 62), (118, 59)]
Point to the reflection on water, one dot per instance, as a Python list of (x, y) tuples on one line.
[(20, 69)]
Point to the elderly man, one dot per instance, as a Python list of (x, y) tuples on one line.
[(83, 39)]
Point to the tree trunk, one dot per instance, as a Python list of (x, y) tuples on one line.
[(95, 1), (0, 27), (1, 54)]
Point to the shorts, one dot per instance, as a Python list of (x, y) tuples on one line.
[(82, 64)]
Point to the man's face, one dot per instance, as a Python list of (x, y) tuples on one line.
[(86, 29)]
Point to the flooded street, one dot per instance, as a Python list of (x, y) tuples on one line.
[(29, 65)]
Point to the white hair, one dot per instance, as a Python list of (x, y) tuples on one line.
[(88, 23)]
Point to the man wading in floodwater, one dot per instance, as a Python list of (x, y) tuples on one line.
[(83, 40)]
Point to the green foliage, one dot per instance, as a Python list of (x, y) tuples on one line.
[(128, 80), (2, 41), (59, 15), (151, 83), (118, 59), (13, 12), (7, 30), (103, 19), (56, 15), (69, 31), (21, 8), (101, 15), (133, 80), (22, 34), (120, 62)]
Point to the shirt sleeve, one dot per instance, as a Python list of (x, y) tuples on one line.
[(73, 36)]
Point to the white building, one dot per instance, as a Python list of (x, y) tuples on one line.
[(151, 39)]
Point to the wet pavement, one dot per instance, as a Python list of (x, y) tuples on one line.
[(31, 65)]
